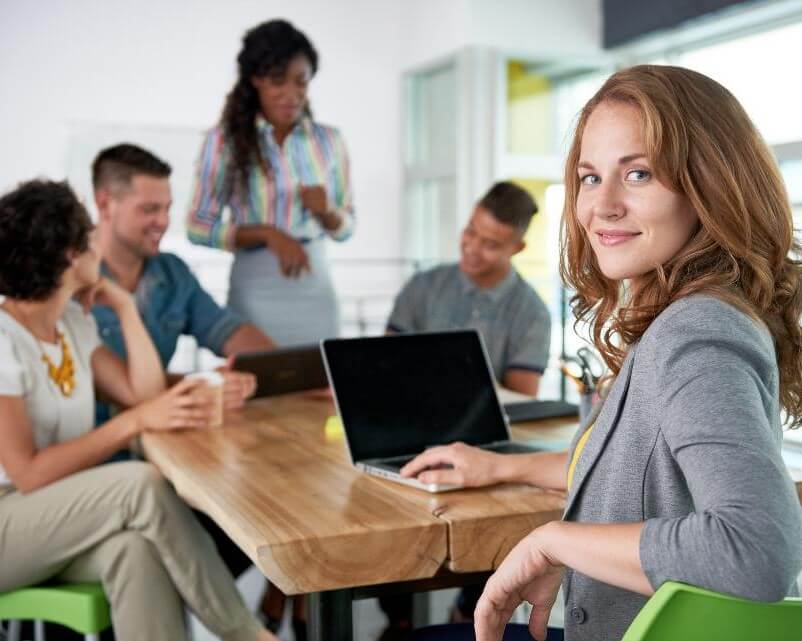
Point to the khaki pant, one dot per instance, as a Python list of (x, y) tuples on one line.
[(123, 525)]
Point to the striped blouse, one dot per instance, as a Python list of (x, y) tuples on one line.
[(312, 154)]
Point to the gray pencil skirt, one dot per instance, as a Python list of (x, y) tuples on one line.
[(292, 311)]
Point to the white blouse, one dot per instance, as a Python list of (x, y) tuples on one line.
[(53, 417)]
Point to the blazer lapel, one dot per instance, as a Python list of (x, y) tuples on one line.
[(605, 422)]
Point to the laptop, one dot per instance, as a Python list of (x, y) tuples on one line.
[(398, 395), (285, 370), (535, 410), (522, 408)]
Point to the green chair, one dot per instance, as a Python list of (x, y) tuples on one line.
[(679, 612), (79, 606)]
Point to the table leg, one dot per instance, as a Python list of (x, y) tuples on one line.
[(330, 616)]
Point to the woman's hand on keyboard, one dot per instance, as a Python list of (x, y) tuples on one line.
[(455, 464)]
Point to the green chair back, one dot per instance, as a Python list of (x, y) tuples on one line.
[(79, 606), (679, 612)]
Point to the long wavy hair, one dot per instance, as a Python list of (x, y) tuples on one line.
[(266, 49), (702, 145)]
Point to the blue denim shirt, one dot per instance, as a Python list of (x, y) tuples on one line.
[(171, 302)]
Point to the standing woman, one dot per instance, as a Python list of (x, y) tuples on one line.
[(677, 239), (285, 180)]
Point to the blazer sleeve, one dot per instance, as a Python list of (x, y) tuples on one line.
[(716, 380)]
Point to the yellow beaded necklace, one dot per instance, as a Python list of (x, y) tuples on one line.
[(63, 375)]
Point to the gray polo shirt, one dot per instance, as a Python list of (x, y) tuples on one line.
[(512, 319)]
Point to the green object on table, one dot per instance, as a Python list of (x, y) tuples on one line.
[(79, 606), (679, 612), (334, 429)]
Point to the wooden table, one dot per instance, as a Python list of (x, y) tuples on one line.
[(285, 491), (283, 488)]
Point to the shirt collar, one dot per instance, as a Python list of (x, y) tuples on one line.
[(495, 293), (263, 127), (152, 274)]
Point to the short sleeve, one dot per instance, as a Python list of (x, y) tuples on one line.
[(407, 307), (210, 324), (529, 341), (12, 375)]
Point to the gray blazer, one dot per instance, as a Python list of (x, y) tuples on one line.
[(688, 440)]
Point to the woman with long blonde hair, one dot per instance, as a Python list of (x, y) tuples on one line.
[(678, 241)]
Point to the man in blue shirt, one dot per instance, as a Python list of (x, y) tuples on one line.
[(132, 194)]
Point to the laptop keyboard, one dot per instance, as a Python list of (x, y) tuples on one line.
[(397, 461), (507, 447)]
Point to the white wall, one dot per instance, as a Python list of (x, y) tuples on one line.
[(547, 28), (67, 65), (171, 64)]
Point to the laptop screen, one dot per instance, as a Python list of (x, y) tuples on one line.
[(399, 394)]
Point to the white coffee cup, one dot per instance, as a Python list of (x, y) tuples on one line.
[(213, 384)]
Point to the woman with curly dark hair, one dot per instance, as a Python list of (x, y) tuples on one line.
[(284, 178), (62, 515)]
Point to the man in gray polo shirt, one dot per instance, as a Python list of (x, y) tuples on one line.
[(484, 291), (481, 291)]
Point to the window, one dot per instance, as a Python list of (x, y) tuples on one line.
[(542, 103), (430, 164)]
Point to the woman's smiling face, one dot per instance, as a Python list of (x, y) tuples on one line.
[(634, 223)]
